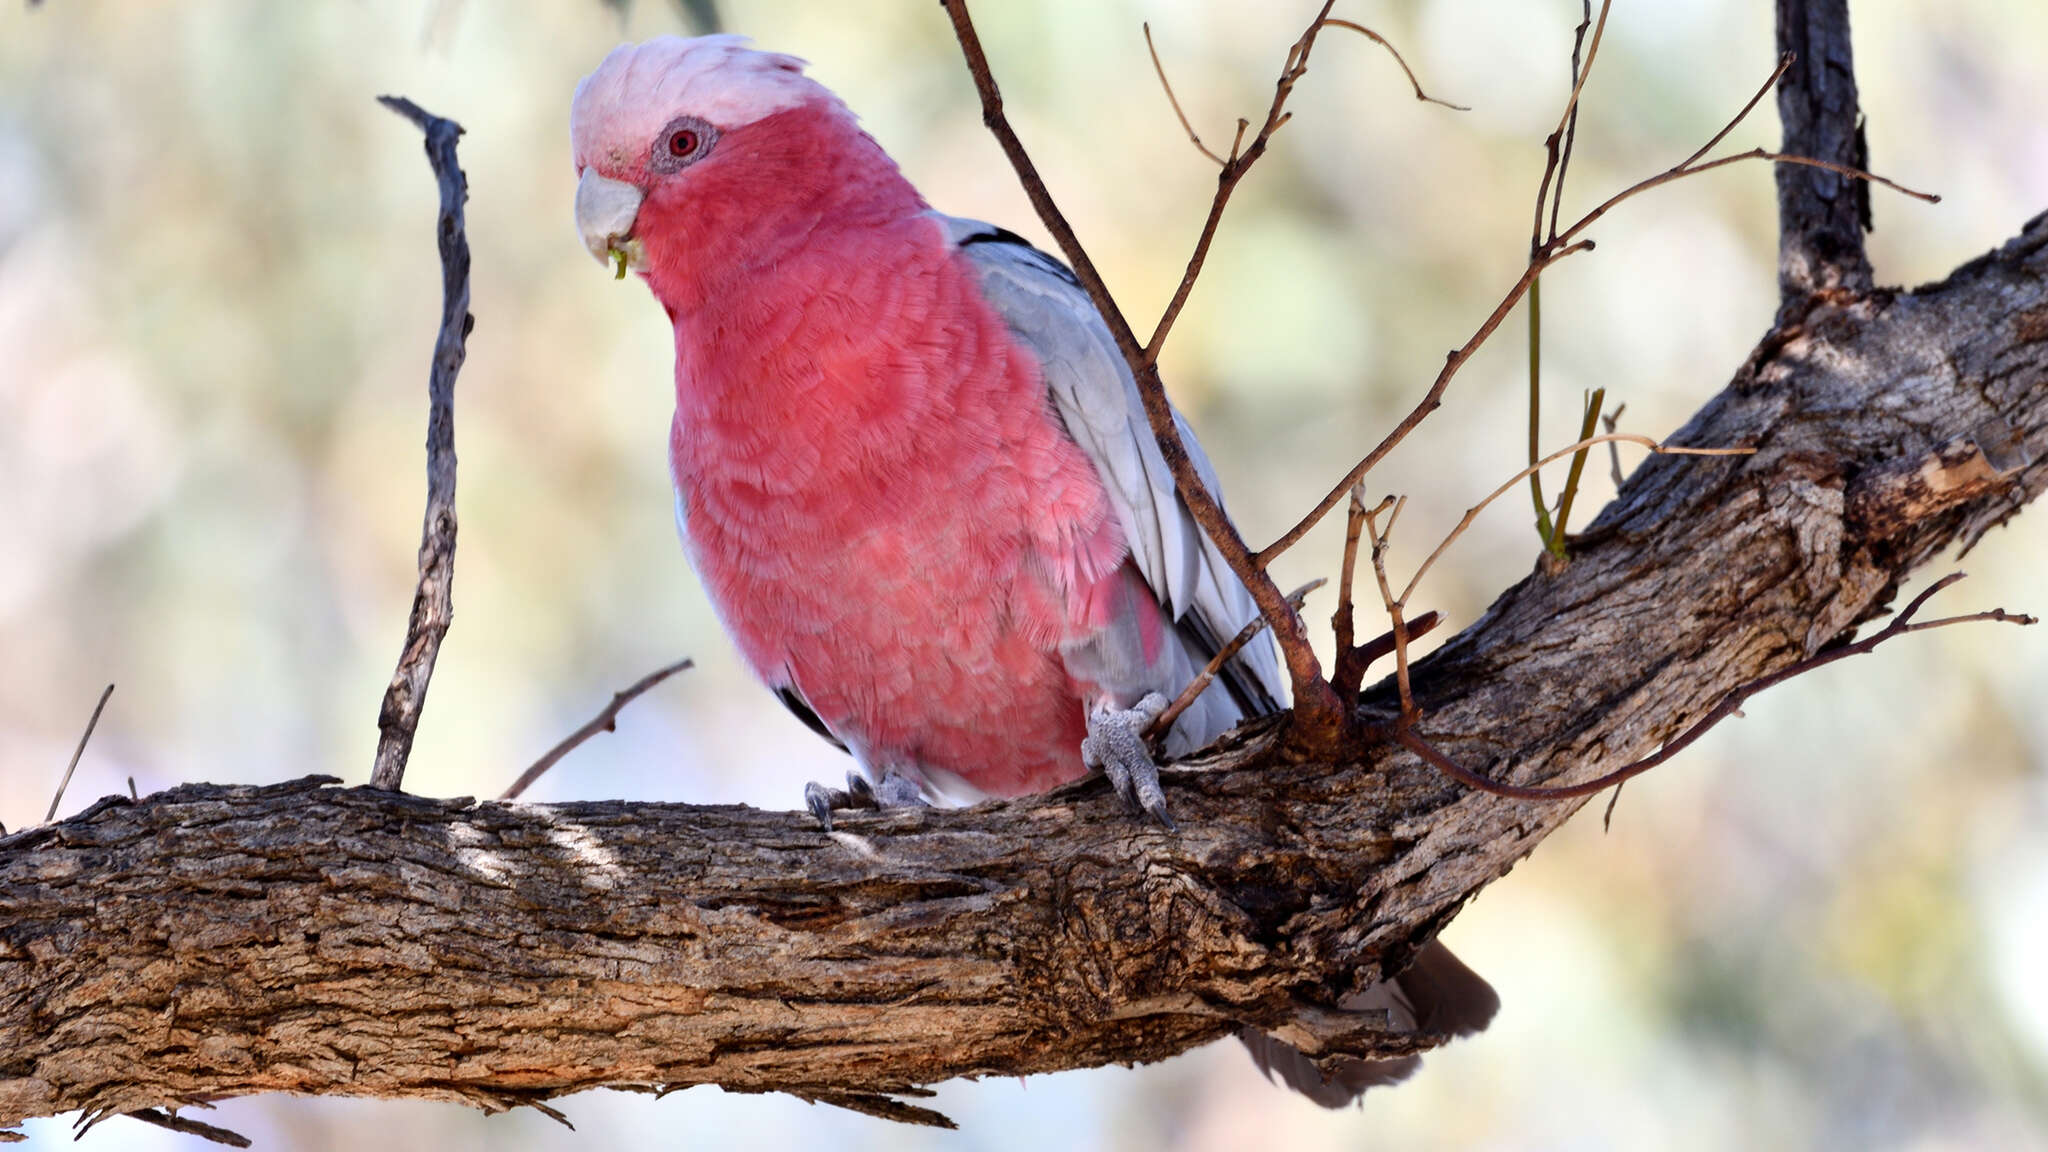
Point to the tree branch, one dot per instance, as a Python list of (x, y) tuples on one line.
[(433, 605), (216, 941), (1822, 215)]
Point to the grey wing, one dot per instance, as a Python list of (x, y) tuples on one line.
[(1093, 392)]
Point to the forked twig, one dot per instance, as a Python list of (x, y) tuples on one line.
[(77, 752), (1557, 158), (1404, 734), (1556, 247), (606, 720), (1234, 171), (433, 606)]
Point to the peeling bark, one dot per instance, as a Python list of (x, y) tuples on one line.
[(217, 941)]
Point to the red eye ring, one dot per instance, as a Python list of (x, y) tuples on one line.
[(682, 143)]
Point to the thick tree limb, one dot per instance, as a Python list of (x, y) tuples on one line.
[(1822, 215), (215, 941)]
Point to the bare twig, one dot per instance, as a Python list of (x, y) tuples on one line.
[(77, 752), (606, 720), (1730, 704), (1429, 403), (1394, 607), (1193, 137), (1473, 512), (1549, 252), (1667, 177), (189, 1127), (1612, 422), (1571, 122), (433, 604), (1163, 724), (1345, 674), (1226, 181), (1383, 42), (1555, 155), (1386, 643)]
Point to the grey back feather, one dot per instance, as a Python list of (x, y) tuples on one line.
[(1092, 390)]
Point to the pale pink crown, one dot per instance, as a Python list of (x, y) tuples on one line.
[(639, 88)]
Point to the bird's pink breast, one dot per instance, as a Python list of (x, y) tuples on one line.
[(887, 513)]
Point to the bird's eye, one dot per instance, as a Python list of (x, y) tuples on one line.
[(683, 142)]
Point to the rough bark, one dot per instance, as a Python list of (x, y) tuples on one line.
[(214, 941)]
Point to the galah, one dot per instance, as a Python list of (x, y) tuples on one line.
[(913, 471)]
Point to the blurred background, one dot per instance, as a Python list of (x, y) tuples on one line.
[(1824, 927)]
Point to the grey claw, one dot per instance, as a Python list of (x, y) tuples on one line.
[(859, 793), (896, 791), (1116, 744), (821, 801)]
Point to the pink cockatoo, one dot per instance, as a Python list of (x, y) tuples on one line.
[(914, 473)]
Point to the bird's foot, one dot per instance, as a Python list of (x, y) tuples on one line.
[(1116, 744), (895, 791)]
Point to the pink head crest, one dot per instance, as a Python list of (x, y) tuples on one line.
[(638, 88)]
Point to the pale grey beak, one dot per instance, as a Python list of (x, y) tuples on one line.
[(605, 211)]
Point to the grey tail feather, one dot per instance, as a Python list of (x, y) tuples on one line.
[(1446, 996)]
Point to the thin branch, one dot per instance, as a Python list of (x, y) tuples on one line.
[(433, 605), (1163, 724), (1193, 137), (1770, 82), (1429, 403), (1394, 607), (1473, 512), (1383, 42), (1670, 175), (606, 720), (1227, 180), (1571, 123), (1554, 155), (1612, 422), (1389, 642), (77, 752), (1730, 705), (1345, 675)]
